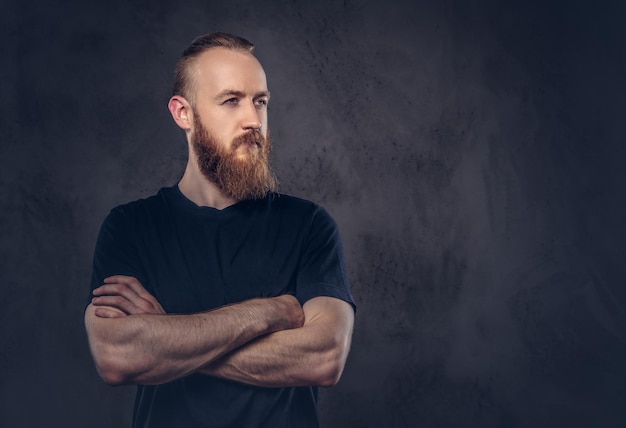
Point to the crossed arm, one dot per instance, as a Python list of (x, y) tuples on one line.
[(270, 342)]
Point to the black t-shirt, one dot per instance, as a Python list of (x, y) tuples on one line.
[(194, 259)]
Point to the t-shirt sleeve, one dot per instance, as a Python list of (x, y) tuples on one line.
[(322, 269), (115, 252)]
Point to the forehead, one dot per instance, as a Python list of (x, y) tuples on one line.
[(218, 69)]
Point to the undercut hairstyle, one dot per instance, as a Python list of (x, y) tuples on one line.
[(183, 80)]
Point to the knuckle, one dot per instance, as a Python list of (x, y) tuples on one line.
[(115, 288), (144, 306), (118, 300)]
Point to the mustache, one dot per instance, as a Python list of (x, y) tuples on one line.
[(252, 137)]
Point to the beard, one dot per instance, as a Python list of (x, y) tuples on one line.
[(241, 178)]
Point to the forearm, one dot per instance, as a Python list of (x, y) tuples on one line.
[(314, 354), (279, 360), (153, 349)]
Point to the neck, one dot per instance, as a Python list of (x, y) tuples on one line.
[(198, 189)]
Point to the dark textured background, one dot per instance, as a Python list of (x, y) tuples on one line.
[(470, 151)]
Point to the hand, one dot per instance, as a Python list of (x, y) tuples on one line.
[(290, 307), (121, 296)]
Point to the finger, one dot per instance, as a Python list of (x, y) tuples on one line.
[(118, 289), (122, 297), (109, 312), (117, 302), (134, 285), (151, 303), (118, 278)]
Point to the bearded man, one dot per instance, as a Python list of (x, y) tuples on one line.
[(225, 302)]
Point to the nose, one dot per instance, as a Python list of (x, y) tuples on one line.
[(251, 117)]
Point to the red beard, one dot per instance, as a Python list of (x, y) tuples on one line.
[(249, 177)]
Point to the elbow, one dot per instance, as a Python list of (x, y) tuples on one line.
[(330, 369), (330, 377), (113, 374), (112, 371), (112, 350), (113, 377), (118, 374), (331, 362), (119, 365)]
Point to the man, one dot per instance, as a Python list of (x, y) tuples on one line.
[(225, 302)]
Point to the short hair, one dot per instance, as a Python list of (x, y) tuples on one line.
[(183, 82)]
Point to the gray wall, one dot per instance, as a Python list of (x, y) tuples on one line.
[(470, 151)]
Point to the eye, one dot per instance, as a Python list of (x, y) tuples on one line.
[(231, 101), (261, 102)]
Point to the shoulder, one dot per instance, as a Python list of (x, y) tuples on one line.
[(139, 211), (314, 215), (285, 202), (144, 205)]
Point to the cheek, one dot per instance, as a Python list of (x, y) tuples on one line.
[(223, 139)]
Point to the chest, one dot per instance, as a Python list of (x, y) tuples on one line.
[(197, 264)]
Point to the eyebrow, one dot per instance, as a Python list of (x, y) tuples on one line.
[(239, 94)]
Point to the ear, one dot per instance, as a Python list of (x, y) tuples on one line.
[(181, 112)]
